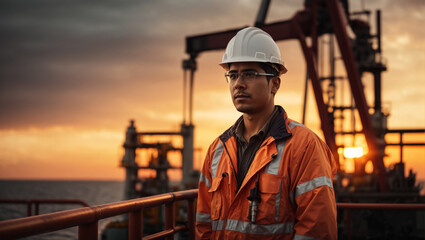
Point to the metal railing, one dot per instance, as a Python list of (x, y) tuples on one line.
[(38, 202), (402, 144), (87, 218), (348, 207)]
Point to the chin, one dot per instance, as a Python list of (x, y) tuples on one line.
[(244, 109)]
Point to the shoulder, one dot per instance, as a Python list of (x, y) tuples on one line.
[(298, 129), (302, 135), (216, 147)]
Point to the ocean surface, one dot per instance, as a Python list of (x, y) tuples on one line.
[(92, 192)]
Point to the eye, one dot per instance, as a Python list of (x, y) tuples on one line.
[(250, 74), (233, 76)]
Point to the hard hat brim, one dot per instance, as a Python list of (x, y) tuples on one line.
[(225, 64)]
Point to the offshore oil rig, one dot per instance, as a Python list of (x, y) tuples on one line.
[(324, 24)]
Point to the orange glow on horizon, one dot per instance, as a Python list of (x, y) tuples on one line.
[(88, 145)]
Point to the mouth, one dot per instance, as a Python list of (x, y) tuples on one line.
[(241, 96)]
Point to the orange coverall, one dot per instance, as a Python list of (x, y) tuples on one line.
[(294, 170)]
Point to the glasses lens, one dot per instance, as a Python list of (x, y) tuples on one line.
[(249, 75), (233, 76)]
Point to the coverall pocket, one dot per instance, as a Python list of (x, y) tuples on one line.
[(270, 189), (217, 198), (269, 183)]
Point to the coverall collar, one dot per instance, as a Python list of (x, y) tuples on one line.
[(278, 129)]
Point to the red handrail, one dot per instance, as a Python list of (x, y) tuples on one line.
[(382, 206), (87, 218), (374, 206), (37, 202)]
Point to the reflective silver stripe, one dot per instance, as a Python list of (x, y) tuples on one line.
[(278, 201), (216, 159), (273, 165), (250, 228), (301, 237), (203, 178), (293, 124), (203, 217), (310, 185), (217, 225)]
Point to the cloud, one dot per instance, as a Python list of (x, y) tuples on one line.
[(64, 60), (72, 63), (92, 65)]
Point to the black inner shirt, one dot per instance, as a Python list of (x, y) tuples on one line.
[(248, 150)]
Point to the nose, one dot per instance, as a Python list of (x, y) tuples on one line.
[(239, 83)]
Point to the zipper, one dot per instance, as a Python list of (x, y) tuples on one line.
[(228, 154), (234, 171)]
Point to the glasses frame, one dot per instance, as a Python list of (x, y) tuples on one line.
[(241, 74)]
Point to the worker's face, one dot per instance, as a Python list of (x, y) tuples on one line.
[(253, 96)]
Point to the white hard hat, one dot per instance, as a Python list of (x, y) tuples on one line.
[(252, 44)]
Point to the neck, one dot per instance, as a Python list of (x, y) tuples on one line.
[(254, 122)]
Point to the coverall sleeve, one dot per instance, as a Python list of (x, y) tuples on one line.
[(203, 211), (313, 192)]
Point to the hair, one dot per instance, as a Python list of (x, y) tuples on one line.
[(270, 68)]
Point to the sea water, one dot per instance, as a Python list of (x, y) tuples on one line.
[(92, 192)]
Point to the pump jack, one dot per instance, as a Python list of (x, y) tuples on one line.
[(322, 17)]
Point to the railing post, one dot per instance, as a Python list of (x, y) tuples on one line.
[(401, 147), (191, 218), (135, 225), (29, 210), (348, 223), (88, 231), (37, 208), (87, 219), (169, 218)]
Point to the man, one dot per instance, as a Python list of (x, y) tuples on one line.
[(267, 176)]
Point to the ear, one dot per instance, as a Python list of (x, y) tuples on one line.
[(275, 85)]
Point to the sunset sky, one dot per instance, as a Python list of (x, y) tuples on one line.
[(73, 73)]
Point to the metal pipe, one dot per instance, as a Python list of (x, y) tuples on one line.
[(378, 30), (87, 218), (158, 133), (166, 233), (37, 202), (169, 218), (191, 218), (29, 210), (305, 97), (135, 225), (405, 130), (406, 144), (262, 13), (192, 76), (401, 147), (377, 88), (37, 208), (382, 206), (88, 231), (328, 131), (184, 92), (348, 224), (339, 23), (187, 153), (29, 226), (314, 33)]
